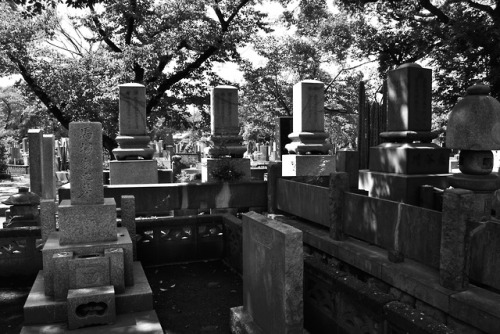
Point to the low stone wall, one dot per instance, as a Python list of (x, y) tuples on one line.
[(188, 198)]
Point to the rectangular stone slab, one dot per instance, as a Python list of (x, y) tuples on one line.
[(307, 165), (132, 109), (272, 274), (87, 223), (133, 172)]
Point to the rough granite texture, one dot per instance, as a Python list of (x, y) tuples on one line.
[(89, 271), (272, 274), (133, 172), (85, 154), (128, 218), (241, 165), (61, 274), (307, 165), (52, 246), (91, 306), (339, 184), (48, 208), (116, 268), (87, 223)]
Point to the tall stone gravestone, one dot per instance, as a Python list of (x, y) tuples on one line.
[(226, 151), (134, 164), (308, 149), (408, 159), (89, 277), (35, 138), (48, 168), (272, 278)]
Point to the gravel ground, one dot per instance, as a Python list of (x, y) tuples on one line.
[(188, 298)]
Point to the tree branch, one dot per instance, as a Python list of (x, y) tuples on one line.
[(101, 31), (52, 108), (485, 8), (435, 11), (130, 22)]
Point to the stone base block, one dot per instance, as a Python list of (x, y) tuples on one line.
[(307, 165), (91, 306), (42, 309), (240, 322), (399, 187), (145, 322), (87, 223), (404, 158), (86, 252), (219, 170), (133, 172)]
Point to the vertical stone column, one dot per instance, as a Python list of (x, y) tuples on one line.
[(35, 137), (48, 168), (128, 219), (457, 211), (85, 154), (48, 208), (308, 149), (339, 184), (273, 174)]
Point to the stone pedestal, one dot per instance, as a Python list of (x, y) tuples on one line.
[(133, 172), (224, 167), (307, 165), (399, 187)]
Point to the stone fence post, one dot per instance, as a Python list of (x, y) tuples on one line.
[(457, 213), (273, 174), (339, 184)]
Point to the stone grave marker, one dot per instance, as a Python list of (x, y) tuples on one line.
[(35, 137), (272, 278)]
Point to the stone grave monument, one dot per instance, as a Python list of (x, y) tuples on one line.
[(272, 278), (474, 128), (408, 159), (134, 164), (89, 277), (308, 151), (226, 151)]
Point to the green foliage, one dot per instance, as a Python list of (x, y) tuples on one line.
[(225, 171)]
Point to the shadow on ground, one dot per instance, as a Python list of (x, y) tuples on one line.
[(188, 298)]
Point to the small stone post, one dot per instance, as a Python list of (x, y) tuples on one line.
[(457, 211), (339, 184), (35, 137), (273, 174), (128, 219)]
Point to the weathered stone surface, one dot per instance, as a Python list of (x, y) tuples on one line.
[(116, 268), (223, 167), (307, 165), (85, 140), (409, 98), (308, 119), (61, 274), (273, 174), (35, 137), (87, 223), (339, 184), (457, 210), (52, 246), (91, 306), (241, 322), (348, 161), (272, 274), (128, 218), (48, 208), (133, 172), (484, 259), (90, 270), (48, 168), (224, 111), (132, 109), (407, 158), (399, 187)]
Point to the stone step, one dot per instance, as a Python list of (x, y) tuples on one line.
[(145, 322)]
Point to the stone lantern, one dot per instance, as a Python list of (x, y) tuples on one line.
[(23, 208), (474, 129)]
